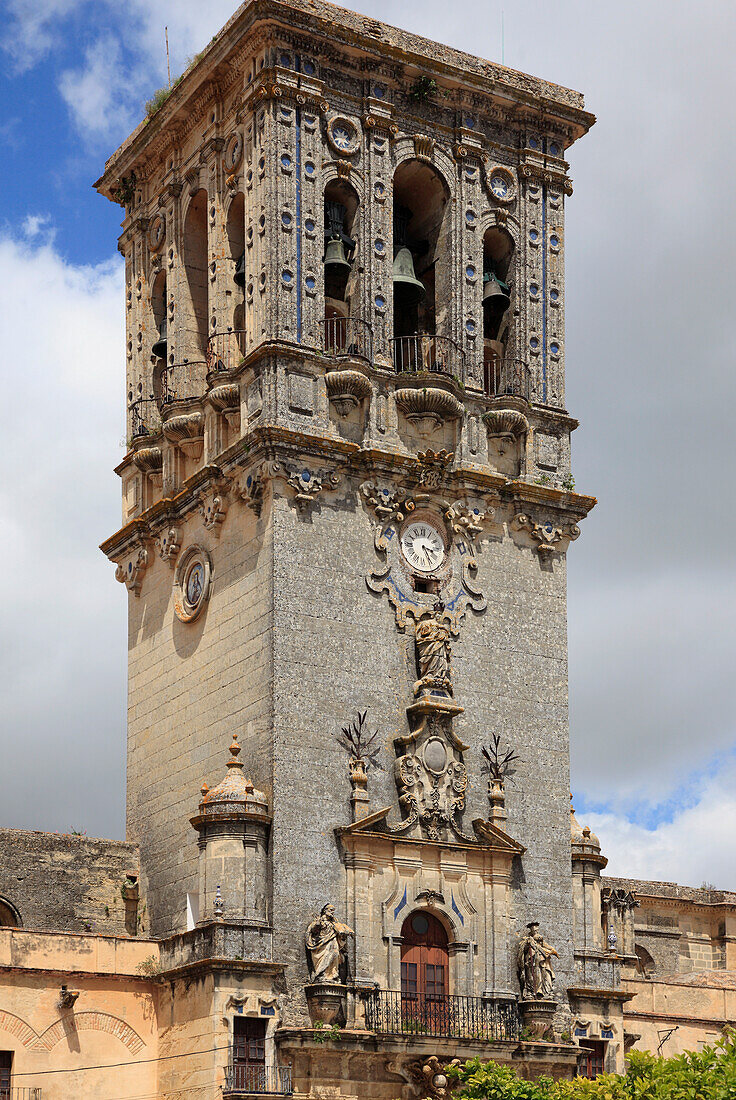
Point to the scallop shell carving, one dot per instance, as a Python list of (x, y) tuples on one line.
[(226, 396), (428, 402), (505, 422), (148, 459), (346, 389)]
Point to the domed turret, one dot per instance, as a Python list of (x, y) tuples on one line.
[(233, 823)]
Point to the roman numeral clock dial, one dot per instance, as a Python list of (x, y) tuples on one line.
[(423, 547)]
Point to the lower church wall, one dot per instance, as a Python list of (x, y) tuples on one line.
[(96, 1041)]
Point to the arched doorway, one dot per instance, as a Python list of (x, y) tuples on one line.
[(424, 973)]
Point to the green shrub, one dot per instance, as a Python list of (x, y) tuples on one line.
[(707, 1074)]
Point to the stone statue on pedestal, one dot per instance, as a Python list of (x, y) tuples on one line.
[(326, 944), (534, 965), (432, 638)]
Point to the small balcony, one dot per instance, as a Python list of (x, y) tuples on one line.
[(244, 1079), (506, 377), (22, 1093), (346, 338), (427, 353), (181, 382), (225, 351), (145, 420), (442, 1016)]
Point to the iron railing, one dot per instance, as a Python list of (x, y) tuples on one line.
[(391, 1013), (225, 351), (24, 1093), (347, 337), (506, 377), (424, 352), (269, 1080), (145, 419), (183, 381)]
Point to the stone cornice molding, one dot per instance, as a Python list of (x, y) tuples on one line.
[(282, 445), (501, 91)]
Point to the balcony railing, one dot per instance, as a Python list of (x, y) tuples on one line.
[(347, 337), (506, 377), (183, 381), (24, 1093), (145, 419), (225, 351), (423, 352), (391, 1013), (265, 1080)]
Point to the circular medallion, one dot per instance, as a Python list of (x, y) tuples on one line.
[(501, 184), (422, 546), (342, 135), (157, 232), (233, 152), (192, 583), (435, 756)]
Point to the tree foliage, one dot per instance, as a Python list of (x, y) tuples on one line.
[(707, 1074)]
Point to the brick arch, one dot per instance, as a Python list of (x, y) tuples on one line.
[(93, 1021), (15, 1026)]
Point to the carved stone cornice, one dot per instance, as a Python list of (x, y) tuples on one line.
[(546, 534)]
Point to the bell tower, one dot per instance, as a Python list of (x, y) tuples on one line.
[(347, 499)]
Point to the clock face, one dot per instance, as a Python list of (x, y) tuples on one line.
[(499, 187), (423, 546)]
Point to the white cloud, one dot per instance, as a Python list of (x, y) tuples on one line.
[(694, 847), (34, 27), (97, 92), (62, 632)]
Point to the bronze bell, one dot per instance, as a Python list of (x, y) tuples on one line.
[(239, 276), (159, 348), (335, 261), (408, 290), (496, 297)]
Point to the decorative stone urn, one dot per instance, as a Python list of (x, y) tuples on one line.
[(326, 1002), (346, 389), (537, 1017)]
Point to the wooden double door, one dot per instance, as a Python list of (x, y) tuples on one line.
[(424, 974)]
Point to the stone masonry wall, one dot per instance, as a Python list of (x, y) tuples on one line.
[(62, 883), (191, 687), (337, 650)]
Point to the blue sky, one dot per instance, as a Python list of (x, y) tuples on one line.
[(650, 369)]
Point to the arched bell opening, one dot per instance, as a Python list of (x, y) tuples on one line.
[(9, 915), (425, 966), (498, 252), (160, 316), (227, 347), (421, 226), (341, 205), (194, 300)]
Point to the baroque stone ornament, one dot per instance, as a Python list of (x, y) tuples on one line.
[(251, 489), (167, 544), (326, 945), (307, 485), (546, 535), (433, 466), (431, 776), (131, 571), (213, 509), (430, 1075), (427, 409), (412, 591), (534, 964)]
